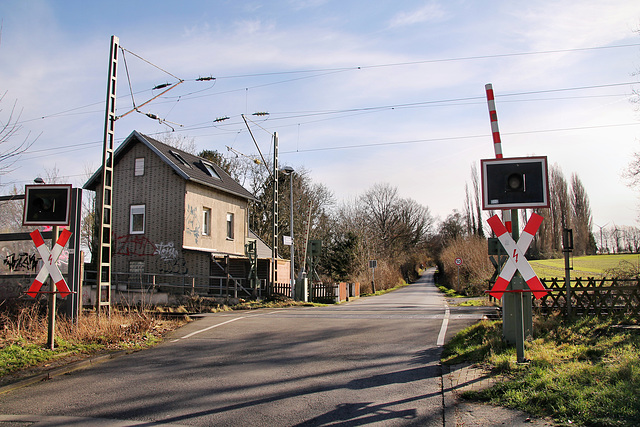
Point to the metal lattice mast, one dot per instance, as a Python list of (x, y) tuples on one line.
[(274, 247), (103, 291)]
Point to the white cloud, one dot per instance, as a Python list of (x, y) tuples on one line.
[(549, 24), (430, 12)]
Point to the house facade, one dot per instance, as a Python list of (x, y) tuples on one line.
[(175, 213)]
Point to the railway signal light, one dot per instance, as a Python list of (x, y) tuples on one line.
[(515, 183), (47, 205)]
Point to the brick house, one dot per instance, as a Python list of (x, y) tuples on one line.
[(179, 214)]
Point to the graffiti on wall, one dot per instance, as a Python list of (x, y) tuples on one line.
[(132, 244), (21, 262), (192, 225), (169, 259), (166, 251), (172, 266)]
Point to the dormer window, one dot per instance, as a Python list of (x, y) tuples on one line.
[(180, 158), (210, 169)]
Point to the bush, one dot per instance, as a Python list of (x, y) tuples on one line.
[(476, 268)]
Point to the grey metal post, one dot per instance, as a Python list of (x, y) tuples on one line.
[(289, 171), (293, 244), (567, 247), (51, 333), (518, 285)]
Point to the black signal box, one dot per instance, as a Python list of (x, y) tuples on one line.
[(515, 183), (47, 205)]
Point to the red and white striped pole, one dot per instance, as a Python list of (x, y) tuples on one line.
[(497, 143)]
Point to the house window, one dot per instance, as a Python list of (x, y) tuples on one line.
[(179, 157), (136, 267), (136, 219), (211, 170), (230, 226), (206, 221), (139, 167)]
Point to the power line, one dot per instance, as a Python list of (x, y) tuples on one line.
[(428, 61), (454, 138), (325, 71)]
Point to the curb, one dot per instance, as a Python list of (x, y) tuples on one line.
[(62, 370), (463, 377)]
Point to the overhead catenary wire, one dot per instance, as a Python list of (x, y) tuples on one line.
[(341, 69), (264, 162)]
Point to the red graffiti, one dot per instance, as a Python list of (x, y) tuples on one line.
[(134, 245)]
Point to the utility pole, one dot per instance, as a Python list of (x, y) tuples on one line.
[(274, 247), (103, 279)]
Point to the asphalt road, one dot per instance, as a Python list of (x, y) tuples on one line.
[(370, 361)]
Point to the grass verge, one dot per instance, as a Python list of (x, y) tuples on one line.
[(584, 372), (386, 291), (23, 337)]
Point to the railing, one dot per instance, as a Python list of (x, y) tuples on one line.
[(147, 284), (177, 284), (591, 296)]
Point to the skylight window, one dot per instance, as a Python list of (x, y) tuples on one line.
[(211, 170), (180, 158)]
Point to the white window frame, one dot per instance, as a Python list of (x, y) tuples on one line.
[(230, 226), (206, 221), (134, 211), (139, 166)]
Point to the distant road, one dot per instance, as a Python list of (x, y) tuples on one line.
[(374, 360)]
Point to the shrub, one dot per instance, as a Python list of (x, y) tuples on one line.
[(476, 268)]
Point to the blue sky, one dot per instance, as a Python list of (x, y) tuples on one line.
[(360, 92)]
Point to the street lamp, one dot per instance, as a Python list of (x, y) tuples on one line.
[(289, 171)]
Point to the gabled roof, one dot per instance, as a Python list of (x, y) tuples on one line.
[(189, 167)]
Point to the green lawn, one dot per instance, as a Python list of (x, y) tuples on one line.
[(583, 372), (584, 266)]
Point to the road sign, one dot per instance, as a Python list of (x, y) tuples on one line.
[(373, 263), (49, 267), (458, 261), (517, 260)]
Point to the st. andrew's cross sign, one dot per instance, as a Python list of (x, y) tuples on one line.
[(49, 267), (517, 260)]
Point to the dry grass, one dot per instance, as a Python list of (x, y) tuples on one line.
[(24, 332), (471, 278)]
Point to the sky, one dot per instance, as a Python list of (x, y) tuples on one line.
[(359, 92)]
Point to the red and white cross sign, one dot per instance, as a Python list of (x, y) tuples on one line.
[(516, 252), (49, 267)]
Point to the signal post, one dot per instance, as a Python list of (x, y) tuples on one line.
[(49, 205)]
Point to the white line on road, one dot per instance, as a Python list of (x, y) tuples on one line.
[(445, 324), (215, 326), (206, 329)]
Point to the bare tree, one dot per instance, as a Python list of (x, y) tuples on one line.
[(179, 141), (10, 128)]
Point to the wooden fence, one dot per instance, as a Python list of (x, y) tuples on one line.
[(591, 296)]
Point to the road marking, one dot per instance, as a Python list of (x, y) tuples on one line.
[(445, 324), (206, 329)]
